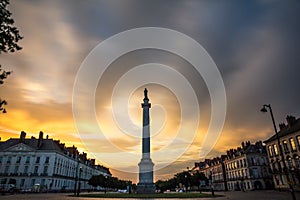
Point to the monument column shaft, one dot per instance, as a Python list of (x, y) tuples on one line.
[(146, 131)]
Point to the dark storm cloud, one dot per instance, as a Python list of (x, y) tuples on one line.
[(255, 45)]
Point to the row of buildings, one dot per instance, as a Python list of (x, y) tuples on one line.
[(45, 164), (259, 165)]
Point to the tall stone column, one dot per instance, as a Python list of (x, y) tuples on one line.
[(146, 184)]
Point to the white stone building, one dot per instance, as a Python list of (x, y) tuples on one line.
[(45, 164)]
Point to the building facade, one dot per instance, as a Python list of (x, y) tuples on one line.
[(247, 168), (289, 138), (214, 170), (244, 168), (45, 164)]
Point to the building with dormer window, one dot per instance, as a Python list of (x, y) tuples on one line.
[(289, 137), (45, 164), (247, 167)]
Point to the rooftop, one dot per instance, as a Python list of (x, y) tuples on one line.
[(49, 144), (292, 126)]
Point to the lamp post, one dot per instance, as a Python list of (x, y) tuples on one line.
[(285, 169), (79, 183), (186, 184), (76, 178), (211, 183), (105, 184), (189, 178)]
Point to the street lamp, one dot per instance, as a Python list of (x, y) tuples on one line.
[(285, 169), (76, 178), (186, 184), (105, 184), (211, 182), (79, 183), (189, 178)]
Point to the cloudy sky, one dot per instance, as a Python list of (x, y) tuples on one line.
[(254, 44)]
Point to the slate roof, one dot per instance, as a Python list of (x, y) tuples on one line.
[(286, 131), (47, 144)]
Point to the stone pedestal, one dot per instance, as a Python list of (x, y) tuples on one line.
[(145, 188), (146, 185)]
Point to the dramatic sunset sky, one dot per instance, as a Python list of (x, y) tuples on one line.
[(255, 45)]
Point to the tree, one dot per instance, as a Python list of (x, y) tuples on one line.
[(169, 184), (94, 181), (108, 182), (183, 178), (9, 38), (197, 177)]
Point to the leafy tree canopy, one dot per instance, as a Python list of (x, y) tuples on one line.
[(9, 38), (108, 182)]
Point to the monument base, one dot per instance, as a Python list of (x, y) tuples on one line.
[(145, 188)]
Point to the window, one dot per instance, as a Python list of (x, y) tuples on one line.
[(19, 159), (253, 161), (22, 182), (278, 164), (289, 161), (270, 150), (275, 149), (255, 173), (297, 162), (43, 182), (32, 182), (8, 159), (37, 160), (298, 140), (36, 168), (28, 159), (0, 159), (6, 169), (26, 169), (16, 169), (47, 159), (45, 169), (293, 145), (285, 146)]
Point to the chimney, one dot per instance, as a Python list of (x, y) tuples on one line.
[(282, 126), (40, 141), (47, 137), (243, 145), (258, 144), (290, 120), (22, 137)]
